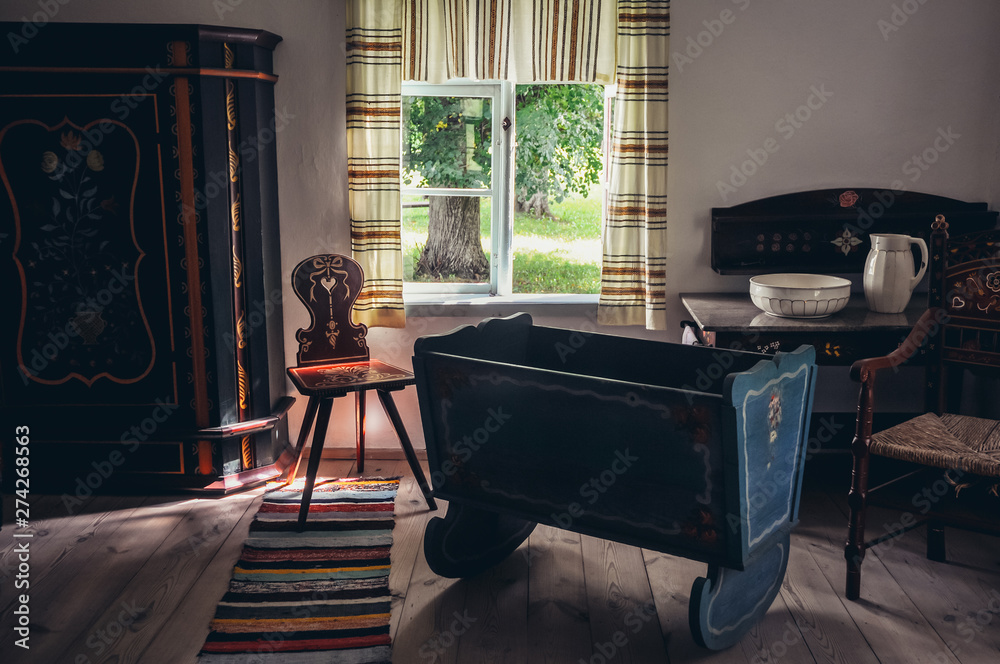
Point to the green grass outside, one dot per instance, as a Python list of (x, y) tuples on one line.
[(561, 255)]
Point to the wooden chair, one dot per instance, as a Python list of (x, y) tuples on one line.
[(333, 361), (950, 458)]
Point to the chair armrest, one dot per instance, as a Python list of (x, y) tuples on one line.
[(863, 371)]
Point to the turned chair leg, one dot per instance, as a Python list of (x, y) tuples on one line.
[(935, 542), (360, 423), (404, 441), (857, 499), (315, 453)]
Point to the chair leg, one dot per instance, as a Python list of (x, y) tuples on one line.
[(857, 500), (300, 444), (319, 436), (360, 424), (404, 440), (935, 542)]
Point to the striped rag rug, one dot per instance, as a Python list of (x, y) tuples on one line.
[(321, 595)]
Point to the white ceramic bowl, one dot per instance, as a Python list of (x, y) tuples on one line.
[(799, 295)]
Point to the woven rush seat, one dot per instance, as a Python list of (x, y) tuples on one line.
[(969, 444)]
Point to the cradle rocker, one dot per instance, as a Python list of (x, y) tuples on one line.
[(692, 451)]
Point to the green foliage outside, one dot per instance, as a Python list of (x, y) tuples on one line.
[(559, 131), (558, 163), (446, 142)]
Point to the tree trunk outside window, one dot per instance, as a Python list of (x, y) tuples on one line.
[(453, 243)]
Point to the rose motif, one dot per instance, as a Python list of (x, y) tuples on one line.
[(50, 162), (993, 281), (95, 161), (69, 140), (849, 198)]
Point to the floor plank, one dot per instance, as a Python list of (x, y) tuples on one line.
[(427, 613), (183, 633), (960, 601), (886, 617), (492, 628), (558, 617), (623, 621), (55, 534), (407, 536), (66, 602), (825, 625), (161, 583)]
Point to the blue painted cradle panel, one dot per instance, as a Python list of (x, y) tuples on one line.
[(771, 407)]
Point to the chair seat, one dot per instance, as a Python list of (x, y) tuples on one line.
[(969, 444), (339, 378)]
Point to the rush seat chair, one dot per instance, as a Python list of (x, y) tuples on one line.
[(946, 461)]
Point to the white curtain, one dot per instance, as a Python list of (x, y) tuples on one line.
[(374, 78), (524, 41), (633, 272)]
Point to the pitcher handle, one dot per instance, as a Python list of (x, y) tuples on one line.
[(923, 261)]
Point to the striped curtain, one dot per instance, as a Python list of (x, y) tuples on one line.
[(524, 41), (373, 123), (633, 274)]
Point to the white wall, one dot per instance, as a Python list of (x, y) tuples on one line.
[(889, 96)]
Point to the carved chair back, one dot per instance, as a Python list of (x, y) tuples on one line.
[(965, 286), (328, 285)]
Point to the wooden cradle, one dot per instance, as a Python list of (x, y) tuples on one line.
[(692, 451)]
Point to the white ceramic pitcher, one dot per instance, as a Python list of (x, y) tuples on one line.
[(889, 279)]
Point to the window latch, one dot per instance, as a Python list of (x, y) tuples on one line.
[(506, 124)]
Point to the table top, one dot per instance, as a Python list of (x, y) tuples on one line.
[(735, 312)]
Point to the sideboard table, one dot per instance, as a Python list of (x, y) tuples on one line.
[(731, 320)]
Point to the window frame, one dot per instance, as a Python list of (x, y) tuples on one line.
[(501, 95)]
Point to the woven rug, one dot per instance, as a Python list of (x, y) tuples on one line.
[(321, 595)]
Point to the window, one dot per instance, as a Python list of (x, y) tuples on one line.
[(460, 191)]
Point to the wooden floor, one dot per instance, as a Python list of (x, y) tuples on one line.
[(136, 579)]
